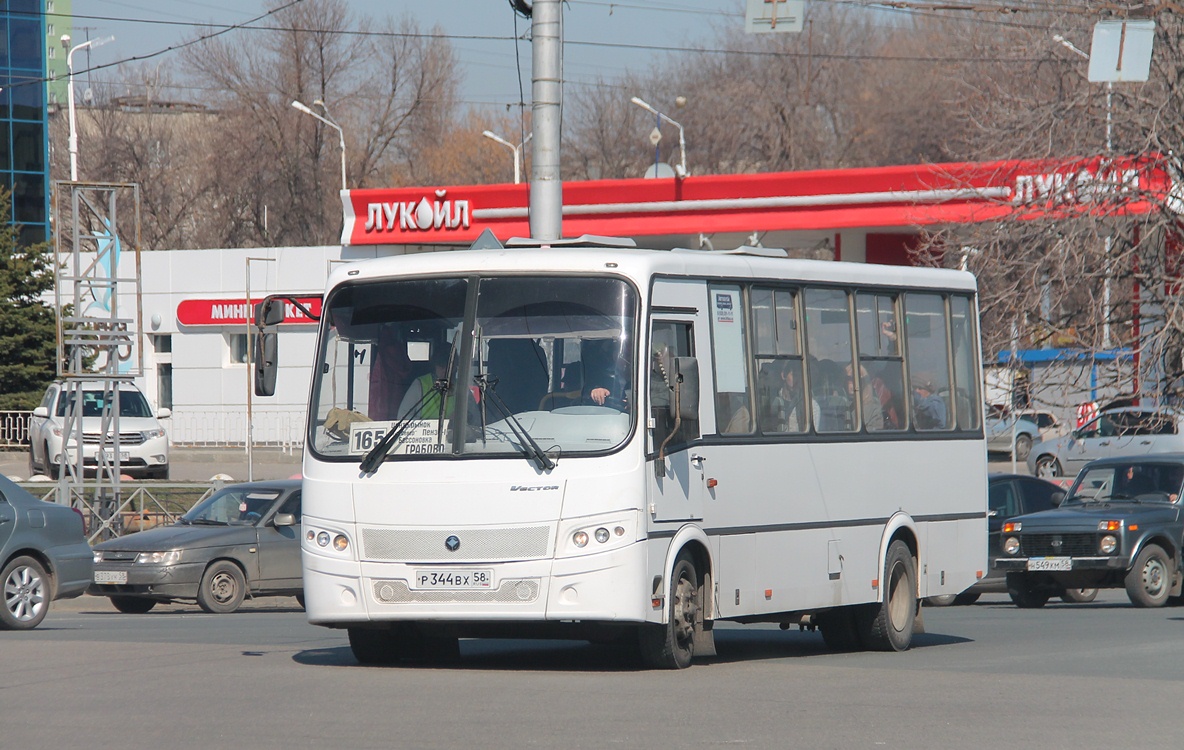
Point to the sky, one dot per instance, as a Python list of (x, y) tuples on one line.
[(644, 28)]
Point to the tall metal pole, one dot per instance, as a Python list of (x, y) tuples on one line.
[(72, 143), (250, 436), (546, 189)]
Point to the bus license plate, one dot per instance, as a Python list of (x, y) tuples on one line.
[(452, 579), (110, 576), (1051, 563)]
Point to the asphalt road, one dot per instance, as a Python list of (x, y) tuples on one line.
[(990, 675)]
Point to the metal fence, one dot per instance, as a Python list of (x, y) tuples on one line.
[(199, 428), (217, 428), (138, 507), (14, 428)]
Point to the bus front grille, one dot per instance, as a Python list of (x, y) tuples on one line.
[(468, 545), (523, 590)]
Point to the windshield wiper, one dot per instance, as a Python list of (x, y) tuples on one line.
[(208, 522), (526, 442), (374, 458)]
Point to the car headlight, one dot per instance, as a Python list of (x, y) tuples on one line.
[(158, 558), (1108, 544), (152, 434), (1011, 545), (98, 555)]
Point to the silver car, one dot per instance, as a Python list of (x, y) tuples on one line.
[(43, 556), (1003, 430), (243, 540), (1127, 432)]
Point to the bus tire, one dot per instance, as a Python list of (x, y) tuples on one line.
[(840, 630), (373, 646), (965, 600), (888, 625), (1079, 596), (672, 645)]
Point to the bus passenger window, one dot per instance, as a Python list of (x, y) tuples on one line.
[(928, 355), (829, 343), (733, 410)]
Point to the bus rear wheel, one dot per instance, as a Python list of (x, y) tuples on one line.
[(888, 626), (672, 645)]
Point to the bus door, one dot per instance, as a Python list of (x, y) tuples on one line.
[(677, 485)]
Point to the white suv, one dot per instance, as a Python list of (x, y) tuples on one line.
[(143, 444)]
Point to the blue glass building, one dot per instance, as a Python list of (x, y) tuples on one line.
[(24, 125)]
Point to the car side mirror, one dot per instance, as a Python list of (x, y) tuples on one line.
[(283, 519), (164, 413), (992, 513), (1057, 498), (41, 412)]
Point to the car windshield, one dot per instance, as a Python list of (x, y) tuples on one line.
[(131, 404), (232, 506), (522, 365), (1140, 482)]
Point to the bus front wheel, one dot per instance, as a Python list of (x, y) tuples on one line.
[(888, 626), (672, 645)]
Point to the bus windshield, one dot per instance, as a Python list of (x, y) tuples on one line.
[(463, 366)]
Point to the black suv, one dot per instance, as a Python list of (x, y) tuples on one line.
[(1122, 525)]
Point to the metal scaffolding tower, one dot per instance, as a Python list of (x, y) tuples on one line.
[(97, 296)]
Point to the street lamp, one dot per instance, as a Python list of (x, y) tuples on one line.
[(73, 142), (1109, 117), (681, 169), (517, 150), (328, 121)]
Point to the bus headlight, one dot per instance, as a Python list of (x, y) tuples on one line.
[(340, 543), (1011, 545), (1108, 544), (323, 539), (592, 535)]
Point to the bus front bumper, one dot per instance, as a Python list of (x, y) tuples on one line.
[(605, 587)]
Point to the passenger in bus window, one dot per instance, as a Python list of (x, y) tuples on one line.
[(390, 371), (869, 402), (606, 374), (788, 404), (886, 395), (430, 408), (929, 410)]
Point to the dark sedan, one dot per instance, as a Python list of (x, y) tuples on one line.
[(1011, 495), (43, 556), (243, 540)]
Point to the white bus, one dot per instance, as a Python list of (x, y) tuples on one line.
[(615, 444)]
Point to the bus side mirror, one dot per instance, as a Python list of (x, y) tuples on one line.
[(265, 361), (269, 312), (686, 386)]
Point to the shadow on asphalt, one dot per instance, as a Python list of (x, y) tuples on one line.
[(733, 646)]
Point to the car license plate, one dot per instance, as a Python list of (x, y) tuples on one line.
[(1051, 563), (452, 579), (123, 456), (110, 576)]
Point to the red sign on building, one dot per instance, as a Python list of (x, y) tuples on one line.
[(229, 312)]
